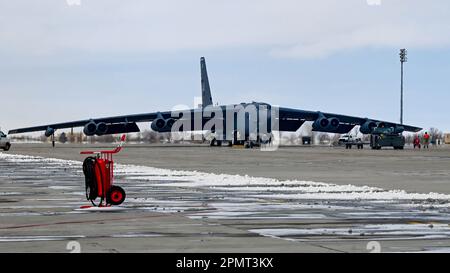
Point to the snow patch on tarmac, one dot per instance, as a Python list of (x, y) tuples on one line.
[(30, 159), (387, 231), (260, 186), (288, 189)]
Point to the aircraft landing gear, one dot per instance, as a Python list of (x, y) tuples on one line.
[(217, 143), (249, 144), (214, 142)]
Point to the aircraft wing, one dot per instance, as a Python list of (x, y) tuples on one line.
[(346, 122), (113, 122), (290, 120)]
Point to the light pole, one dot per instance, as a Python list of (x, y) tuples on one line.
[(403, 59)]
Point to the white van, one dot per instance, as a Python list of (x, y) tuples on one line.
[(5, 143)]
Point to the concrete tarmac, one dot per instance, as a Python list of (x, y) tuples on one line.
[(421, 171), (39, 202)]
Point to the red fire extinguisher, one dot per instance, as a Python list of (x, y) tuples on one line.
[(98, 170)]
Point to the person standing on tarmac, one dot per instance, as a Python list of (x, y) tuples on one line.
[(417, 142), (426, 140)]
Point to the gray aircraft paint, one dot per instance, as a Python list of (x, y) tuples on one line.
[(287, 119), (206, 90)]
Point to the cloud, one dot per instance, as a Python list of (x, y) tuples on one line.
[(288, 29), (372, 36)]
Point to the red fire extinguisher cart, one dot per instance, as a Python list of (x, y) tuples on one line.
[(98, 170)]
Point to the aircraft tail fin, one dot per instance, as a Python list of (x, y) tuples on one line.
[(206, 90)]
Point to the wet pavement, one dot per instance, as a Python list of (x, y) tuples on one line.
[(190, 211)]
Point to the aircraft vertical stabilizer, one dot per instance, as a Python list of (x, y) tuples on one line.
[(206, 90)]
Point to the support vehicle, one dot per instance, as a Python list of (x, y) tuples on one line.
[(5, 142), (387, 137)]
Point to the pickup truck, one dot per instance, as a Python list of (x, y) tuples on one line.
[(349, 141), (5, 143)]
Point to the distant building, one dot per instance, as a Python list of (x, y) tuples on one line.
[(447, 139)]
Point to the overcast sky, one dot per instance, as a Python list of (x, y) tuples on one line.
[(61, 61)]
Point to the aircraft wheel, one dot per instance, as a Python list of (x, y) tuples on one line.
[(7, 147), (116, 195), (213, 142)]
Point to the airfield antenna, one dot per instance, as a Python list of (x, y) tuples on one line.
[(403, 59)]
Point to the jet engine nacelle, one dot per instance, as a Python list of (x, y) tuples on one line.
[(320, 124), (367, 127), (158, 124), (162, 125), (49, 132), (101, 129), (323, 124), (90, 129), (169, 123), (334, 123)]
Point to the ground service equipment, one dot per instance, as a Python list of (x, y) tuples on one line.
[(5, 142), (387, 137), (99, 177)]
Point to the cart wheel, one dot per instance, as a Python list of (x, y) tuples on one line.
[(116, 195)]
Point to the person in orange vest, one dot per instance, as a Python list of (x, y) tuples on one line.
[(426, 140)]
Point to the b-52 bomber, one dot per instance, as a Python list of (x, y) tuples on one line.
[(255, 121)]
